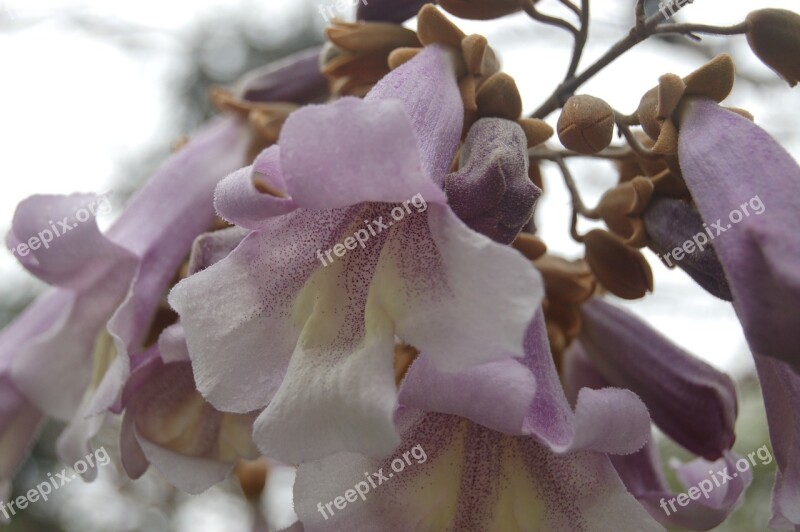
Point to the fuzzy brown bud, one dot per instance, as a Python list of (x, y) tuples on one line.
[(622, 270), (586, 124), (774, 36)]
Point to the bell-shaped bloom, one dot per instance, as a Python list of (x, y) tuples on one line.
[(494, 447), (108, 286), (167, 422), (717, 495), (693, 403), (451, 474), (740, 179), (670, 224), (525, 397), (352, 245), (491, 191), (780, 386)]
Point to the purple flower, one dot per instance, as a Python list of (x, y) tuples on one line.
[(167, 422), (489, 448), (642, 471), (338, 263), (740, 178), (690, 401)]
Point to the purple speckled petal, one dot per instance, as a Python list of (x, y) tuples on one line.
[(457, 475), (432, 282), (496, 394), (525, 397), (672, 222), (714, 497), (689, 400), (352, 151), (731, 164), (491, 191), (609, 420), (296, 79), (245, 303), (781, 389), (238, 201), (388, 10)]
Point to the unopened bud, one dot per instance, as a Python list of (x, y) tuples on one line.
[(586, 124), (774, 36), (622, 270)]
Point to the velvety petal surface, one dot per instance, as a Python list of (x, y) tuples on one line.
[(239, 198), (491, 191), (451, 475), (432, 282), (731, 164), (689, 400), (353, 151)]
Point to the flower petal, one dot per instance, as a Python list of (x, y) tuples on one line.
[(239, 201), (432, 282), (159, 225), (672, 222), (689, 400), (731, 164), (352, 151), (642, 475), (427, 87), (781, 389), (450, 474), (608, 420), (253, 291)]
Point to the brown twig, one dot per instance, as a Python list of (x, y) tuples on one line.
[(535, 14), (580, 40)]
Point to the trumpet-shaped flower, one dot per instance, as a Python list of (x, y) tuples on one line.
[(352, 244)]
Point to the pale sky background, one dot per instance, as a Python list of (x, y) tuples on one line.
[(75, 108)]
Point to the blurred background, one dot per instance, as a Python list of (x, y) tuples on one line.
[(95, 92)]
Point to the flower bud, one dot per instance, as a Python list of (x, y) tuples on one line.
[(481, 9), (774, 36), (622, 270), (586, 124)]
